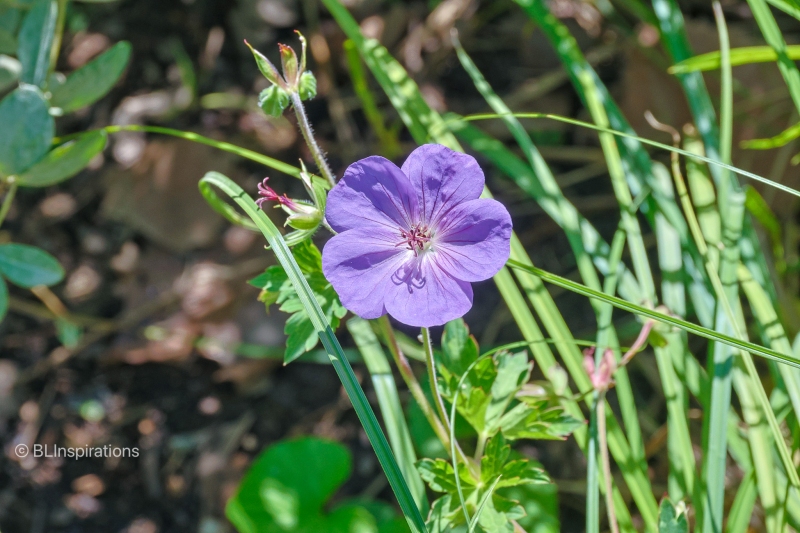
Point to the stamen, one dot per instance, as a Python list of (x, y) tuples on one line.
[(416, 238)]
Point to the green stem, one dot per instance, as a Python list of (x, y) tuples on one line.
[(606, 462), (411, 382), (308, 135), (6, 206), (59, 33), (431, 364)]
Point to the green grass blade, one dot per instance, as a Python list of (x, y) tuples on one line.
[(745, 55), (326, 335), (689, 327), (714, 163), (391, 409), (788, 8), (267, 161), (721, 365), (681, 480), (388, 139), (772, 332), (743, 504), (772, 34)]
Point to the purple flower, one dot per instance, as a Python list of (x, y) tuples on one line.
[(411, 240)]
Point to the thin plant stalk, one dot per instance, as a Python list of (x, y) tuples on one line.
[(6, 205), (308, 135), (431, 364), (413, 385)]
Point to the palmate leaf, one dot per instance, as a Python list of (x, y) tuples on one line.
[(65, 161), (288, 485), (276, 288), (34, 41)]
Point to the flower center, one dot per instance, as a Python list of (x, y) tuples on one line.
[(417, 239)]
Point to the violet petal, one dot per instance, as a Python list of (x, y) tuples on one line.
[(442, 179), (372, 193), (360, 265), (422, 295), (473, 238)]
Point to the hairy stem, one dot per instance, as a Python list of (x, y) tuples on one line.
[(308, 135), (411, 382), (431, 364)]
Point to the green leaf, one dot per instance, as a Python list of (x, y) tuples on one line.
[(308, 257), (288, 484), (273, 101), (93, 80), (10, 70), (534, 419), (521, 472), (494, 457), (27, 129), (35, 40), (670, 520), (438, 474), (65, 161), (3, 298), (513, 371), (27, 266), (459, 348), (445, 513)]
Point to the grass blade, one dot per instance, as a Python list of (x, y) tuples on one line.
[(326, 335), (745, 55), (391, 409), (636, 309)]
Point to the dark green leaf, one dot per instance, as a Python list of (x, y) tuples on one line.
[(35, 40), (670, 520), (459, 348), (513, 371), (521, 472), (272, 279), (308, 257), (65, 161), (301, 335), (494, 457), (288, 485), (438, 474), (93, 80), (445, 513), (27, 129), (3, 298), (535, 420), (28, 266)]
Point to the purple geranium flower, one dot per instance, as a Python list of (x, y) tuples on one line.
[(411, 240)]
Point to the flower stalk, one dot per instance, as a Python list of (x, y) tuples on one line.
[(311, 142)]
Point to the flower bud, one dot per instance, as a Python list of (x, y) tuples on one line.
[(289, 63)]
